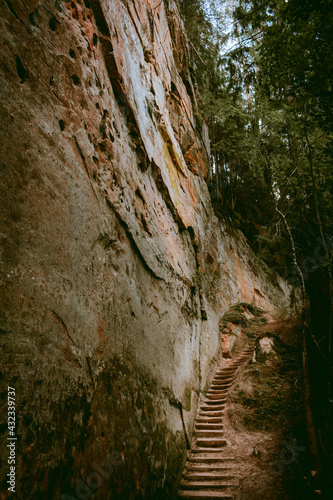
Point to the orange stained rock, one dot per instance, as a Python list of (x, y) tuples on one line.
[(196, 162)]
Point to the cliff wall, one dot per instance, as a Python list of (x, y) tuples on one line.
[(114, 270)]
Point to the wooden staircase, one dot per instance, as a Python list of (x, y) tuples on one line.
[(209, 471)]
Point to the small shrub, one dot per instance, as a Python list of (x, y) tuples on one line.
[(234, 317)]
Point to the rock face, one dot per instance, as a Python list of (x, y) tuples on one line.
[(114, 270), (228, 340), (266, 345)]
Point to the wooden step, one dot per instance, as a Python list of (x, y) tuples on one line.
[(226, 369), (208, 433), (209, 408), (213, 404), (215, 401), (222, 381), (209, 413), (208, 426), (204, 467), (211, 442), (213, 485), (219, 390), (212, 407), (217, 397), (203, 495), (207, 476), (220, 386), (208, 419), (224, 378), (204, 450), (200, 457)]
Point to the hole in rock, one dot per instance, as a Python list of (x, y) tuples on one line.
[(31, 19), (95, 39), (76, 80), (53, 23), (72, 54), (139, 195), (21, 71), (62, 125)]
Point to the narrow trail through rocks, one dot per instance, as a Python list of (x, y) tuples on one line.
[(210, 471)]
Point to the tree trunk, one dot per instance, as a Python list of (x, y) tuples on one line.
[(246, 80)]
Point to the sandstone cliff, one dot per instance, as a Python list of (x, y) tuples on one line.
[(114, 270)]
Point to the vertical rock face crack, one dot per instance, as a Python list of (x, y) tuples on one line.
[(178, 405), (56, 315), (210, 471), (188, 445)]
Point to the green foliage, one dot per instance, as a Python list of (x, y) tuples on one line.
[(303, 71), (252, 308), (235, 317)]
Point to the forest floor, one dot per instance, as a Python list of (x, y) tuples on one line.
[(264, 425)]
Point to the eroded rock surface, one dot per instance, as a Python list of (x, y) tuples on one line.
[(266, 345), (114, 270)]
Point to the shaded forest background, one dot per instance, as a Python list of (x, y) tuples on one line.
[(264, 78)]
